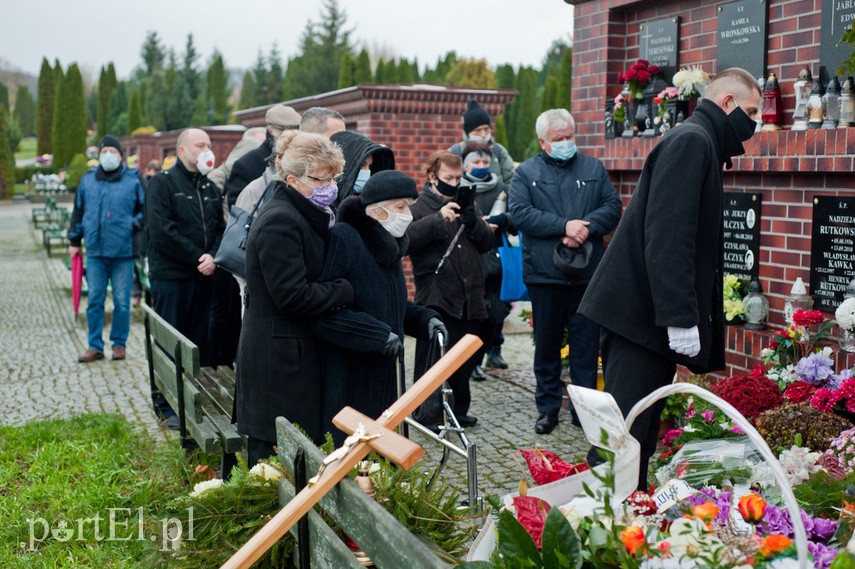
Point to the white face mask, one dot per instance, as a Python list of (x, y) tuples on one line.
[(482, 139), (397, 223), (109, 161), (205, 162)]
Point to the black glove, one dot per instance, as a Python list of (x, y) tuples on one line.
[(500, 220), (393, 347), (435, 326), (468, 217)]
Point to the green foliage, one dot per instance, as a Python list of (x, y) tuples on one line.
[(7, 163), (135, 118), (217, 90), (189, 70), (820, 494), (179, 109), (78, 166), (4, 98), (316, 68), (106, 85), (505, 77), (25, 173), (152, 53), (549, 100), (247, 92), (501, 134), (473, 73), (155, 100), (345, 71), (81, 468), (676, 406), (69, 121), (380, 72), (443, 66), (362, 69), (119, 103), (406, 71), (13, 134), (565, 79), (200, 113), (526, 114), (46, 98), (259, 75)]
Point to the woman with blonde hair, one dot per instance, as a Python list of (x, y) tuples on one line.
[(278, 363)]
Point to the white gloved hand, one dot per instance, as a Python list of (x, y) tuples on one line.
[(684, 341)]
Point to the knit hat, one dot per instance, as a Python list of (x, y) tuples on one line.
[(282, 117), (572, 262), (474, 116), (388, 185), (110, 140)]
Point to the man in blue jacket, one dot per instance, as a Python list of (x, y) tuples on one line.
[(564, 204), (107, 207)]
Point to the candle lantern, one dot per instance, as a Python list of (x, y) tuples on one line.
[(831, 104), (801, 89), (847, 103), (756, 307), (814, 106), (798, 299), (771, 110)]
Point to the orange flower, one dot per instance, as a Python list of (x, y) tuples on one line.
[(752, 507), (706, 512), (775, 543), (632, 538)]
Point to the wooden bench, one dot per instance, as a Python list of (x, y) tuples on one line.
[(41, 214), (202, 397), (56, 230), (378, 533)]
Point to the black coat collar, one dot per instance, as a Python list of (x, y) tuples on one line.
[(712, 118), (318, 219), (385, 248)]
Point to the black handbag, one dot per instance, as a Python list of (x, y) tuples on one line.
[(231, 255)]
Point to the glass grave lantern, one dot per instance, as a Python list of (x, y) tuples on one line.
[(755, 305)]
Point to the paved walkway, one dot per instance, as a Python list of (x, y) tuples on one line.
[(41, 379)]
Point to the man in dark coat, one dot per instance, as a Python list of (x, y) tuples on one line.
[(561, 199), (360, 343), (184, 223), (657, 292), (362, 159), (446, 243)]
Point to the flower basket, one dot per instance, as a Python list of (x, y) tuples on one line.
[(598, 411)]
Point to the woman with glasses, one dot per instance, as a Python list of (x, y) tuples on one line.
[(278, 361), (361, 343)]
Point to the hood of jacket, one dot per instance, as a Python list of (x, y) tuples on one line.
[(356, 148)]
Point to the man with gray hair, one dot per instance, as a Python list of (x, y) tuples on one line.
[(657, 293), (563, 204), (323, 121)]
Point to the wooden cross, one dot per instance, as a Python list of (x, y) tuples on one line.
[(395, 447)]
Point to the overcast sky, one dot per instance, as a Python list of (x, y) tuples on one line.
[(92, 33)]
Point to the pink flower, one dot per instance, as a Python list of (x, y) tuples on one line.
[(671, 435), (737, 430), (708, 415), (824, 400)]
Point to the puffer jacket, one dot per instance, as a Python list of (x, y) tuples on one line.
[(107, 208)]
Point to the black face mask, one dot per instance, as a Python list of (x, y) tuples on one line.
[(743, 124), (446, 189)]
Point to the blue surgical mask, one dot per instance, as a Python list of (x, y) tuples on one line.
[(563, 150), (361, 178), (109, 161), (480, 173)]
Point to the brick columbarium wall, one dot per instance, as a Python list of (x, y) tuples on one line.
[(786, 167), (162, 144)]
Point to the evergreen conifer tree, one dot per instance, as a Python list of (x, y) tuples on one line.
[(391, 72), (69, 125), (565, 79), (189, 70), (152, 53), (4, 98), (106, 85), (155, 101), (506, 79), (549, 100), (134, 111), (216, 86), (406, 71), (119, 102), (7, 162), (345, 71), (273, 89), (501, 135), (247, 92), (526, 112), (25, 111), (259, 73), (362, 69), (44, 116), (380, 72), (200, 113)]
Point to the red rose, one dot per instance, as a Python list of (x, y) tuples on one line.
[(799, 392), (643, 76), (630, 74), (807, 317), (643, 63), (656, 100), (620, 78), (653, 69), (757, 372)]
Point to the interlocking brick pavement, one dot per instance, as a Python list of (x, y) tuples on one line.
[(41, 379)]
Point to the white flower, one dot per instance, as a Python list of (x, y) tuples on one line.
[(766, 353), (691, 81), (372, 467), (784, 563), (265, 471), (203, 487), (798, 464), (845, 315), (572, 514)]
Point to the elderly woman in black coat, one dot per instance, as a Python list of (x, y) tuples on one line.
[(278, 362), (360, 343)]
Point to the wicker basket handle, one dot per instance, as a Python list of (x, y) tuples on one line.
[(753, 435)]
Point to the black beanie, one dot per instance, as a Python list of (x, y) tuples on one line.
[(110, 140), (388, 185), (474, 116)]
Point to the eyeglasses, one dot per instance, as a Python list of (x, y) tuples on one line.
[(337, 178)]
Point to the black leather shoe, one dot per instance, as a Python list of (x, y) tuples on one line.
[(478, 374), (574, 418), (467, 420), (546, 423), (496, 361)]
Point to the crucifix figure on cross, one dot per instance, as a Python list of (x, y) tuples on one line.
[(365, 435)]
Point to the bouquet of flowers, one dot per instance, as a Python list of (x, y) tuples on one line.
[(691, 82), (845, 317), (662, 99), (619, 113), (733, 289), (637, 76), (799, 339)]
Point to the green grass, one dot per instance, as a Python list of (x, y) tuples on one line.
[(78, 471), (20, 189), (26, 149)]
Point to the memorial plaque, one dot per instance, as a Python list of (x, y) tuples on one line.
[(832, 250), (742, 36), (659, 43), (741, 221), (837, 16)]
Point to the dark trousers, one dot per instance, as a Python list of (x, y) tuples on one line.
[(257, 449), (225, 320), (459, 380), (631, 373), (186, 305), (554, 310)]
